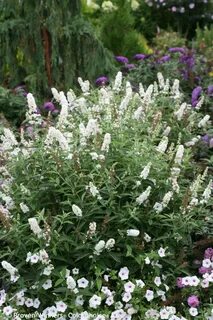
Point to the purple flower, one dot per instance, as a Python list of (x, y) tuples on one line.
[(205, 138), (193, 301), (101, 81), (179, 283), (177, 49), (195, 95), (49, 106), (188, 59), (203, 270), (211, 143), (208, 254), (121, 59), (128, 67), (210, 90), (140, 56), (164, 59)]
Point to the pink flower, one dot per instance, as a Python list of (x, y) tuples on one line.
[(179, 283), (193, 301)]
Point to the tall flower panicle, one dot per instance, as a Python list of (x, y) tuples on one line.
[(118, 82), (203, 122), (62, 120), (175, 89), (34, 226), (162, 146), (145, 172), (31, 103), (179, 154), (55, 94), (14, 276), (55, 134), (143, 196), (141, 90), (160, 80), (92, 128), (84, 85), (8, 140), (180, 112), (106, 142)]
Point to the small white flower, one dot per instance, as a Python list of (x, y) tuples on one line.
[(36, 303), (76, 210), (106, 291), (147, 238), (206, 263), (129, 287), (147, 260), (75, 271), (193, 312), (52, 312), (161, 252), (124, 273), (8, 310), (127, 297), (20, 301), (61, 306), (94, 301), (79, 301), (149, 295), (109, 301), (48, 270), (29, 302), (34, 258), (82, 283), (47, 284), (133, 233), (157, 281), (140, 283), (164, 314)]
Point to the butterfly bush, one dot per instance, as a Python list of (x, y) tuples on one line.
[(101, 207)]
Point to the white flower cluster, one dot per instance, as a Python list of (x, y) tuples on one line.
[(55, 134)]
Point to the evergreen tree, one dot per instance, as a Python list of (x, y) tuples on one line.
[(48, 43)]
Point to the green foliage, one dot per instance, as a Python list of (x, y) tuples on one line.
[(168, 39), (116, 29), (12, 105), (48, 44), (73, 162)]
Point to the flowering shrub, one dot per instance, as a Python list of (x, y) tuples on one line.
[(100, 208)]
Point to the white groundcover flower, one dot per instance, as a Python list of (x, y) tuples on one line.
[(124, 273), (94, 301)]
